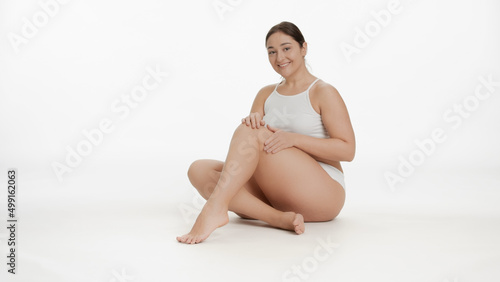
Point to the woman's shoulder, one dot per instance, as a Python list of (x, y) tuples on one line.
[(266, 91), (324, 90), (269, 88)]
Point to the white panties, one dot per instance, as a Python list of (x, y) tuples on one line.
[(334, 173)]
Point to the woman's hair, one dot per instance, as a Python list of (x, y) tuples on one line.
[(289, 29)]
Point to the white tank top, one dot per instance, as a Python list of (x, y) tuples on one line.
[(294, 113)]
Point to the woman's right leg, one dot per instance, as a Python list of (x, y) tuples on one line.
[(291, 179), (249, 202)]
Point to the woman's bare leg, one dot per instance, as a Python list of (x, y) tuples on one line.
[(249, 202), (244, 151), (290, 179)]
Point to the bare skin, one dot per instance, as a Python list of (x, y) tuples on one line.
[(204, 175), (272, 175)]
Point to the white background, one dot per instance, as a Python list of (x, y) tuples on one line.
[(90, 54)]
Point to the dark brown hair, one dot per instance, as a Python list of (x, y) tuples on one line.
[(289, 29)]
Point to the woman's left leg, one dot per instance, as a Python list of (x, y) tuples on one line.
[(249, 200), (241, 161), (291, 180)]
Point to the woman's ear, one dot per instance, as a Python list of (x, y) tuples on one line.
[(304, 49)]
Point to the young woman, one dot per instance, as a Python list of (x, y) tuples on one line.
[(283, 165)]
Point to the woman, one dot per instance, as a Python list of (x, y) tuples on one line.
[(283, 165)]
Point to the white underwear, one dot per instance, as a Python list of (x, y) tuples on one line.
[(334, 173)]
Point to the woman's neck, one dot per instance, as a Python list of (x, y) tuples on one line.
[(298, 78)]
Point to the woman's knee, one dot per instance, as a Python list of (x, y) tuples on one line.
[(258, 135), (194, 169), (198, 169), (204, 171)]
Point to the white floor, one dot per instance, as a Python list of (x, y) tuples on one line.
[(85, 231)]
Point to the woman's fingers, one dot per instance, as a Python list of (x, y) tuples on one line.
[(254, 123), (254, 120), (258, 119), (278, 141), (273, 139), (272, 146), (273, 129)]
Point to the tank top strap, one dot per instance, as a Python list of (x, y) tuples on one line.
[(275, 88), (310, 86)]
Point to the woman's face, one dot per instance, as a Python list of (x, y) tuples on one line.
[(285, 54)]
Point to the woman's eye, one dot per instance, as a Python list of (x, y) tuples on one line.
[(287, 48), (271, 52)]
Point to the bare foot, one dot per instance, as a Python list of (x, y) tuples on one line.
[(298, 224), (293, 221), (211, 217)]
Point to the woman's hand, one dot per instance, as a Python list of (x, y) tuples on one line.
[(254, 120), (280, 140)]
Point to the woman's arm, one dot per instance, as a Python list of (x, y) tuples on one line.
[(257, 111), (341, 144)]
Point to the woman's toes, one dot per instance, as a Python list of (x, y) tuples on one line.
[(298, 223)]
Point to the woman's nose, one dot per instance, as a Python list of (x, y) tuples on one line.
[(280, 56)]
